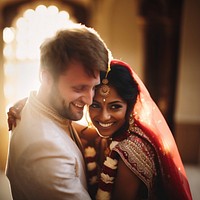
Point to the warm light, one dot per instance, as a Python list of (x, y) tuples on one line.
[(21, 23), (21, 53), (29, 14), (8, 35), (8, 52), (63, 15), (9, 70), (85, 121), (8, 90), (41, 9), (52, 10)]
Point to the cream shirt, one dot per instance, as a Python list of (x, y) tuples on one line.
[(5, 192), (44, 162)]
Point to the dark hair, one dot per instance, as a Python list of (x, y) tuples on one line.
[(122, 80), (79, 43)]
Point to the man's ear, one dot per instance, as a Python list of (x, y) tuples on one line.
[(45, 77)]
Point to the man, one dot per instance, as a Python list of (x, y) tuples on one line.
[(5, 191), (45, 159)]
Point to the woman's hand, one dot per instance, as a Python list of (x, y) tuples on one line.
[(14, 113)]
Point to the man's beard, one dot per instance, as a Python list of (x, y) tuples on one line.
[(63, 108)]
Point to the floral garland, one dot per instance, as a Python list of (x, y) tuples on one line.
[(90, 157), (108, 172)]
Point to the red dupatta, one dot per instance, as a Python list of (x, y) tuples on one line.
[(151, 121)]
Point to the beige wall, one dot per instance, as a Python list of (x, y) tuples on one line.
[(120, 27), (188, 106), (188, 94)]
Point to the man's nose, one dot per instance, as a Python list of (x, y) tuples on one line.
[(88, 97)]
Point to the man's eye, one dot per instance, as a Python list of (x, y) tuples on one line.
[(79, 89)]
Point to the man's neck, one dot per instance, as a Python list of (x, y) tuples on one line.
[(42, 96)]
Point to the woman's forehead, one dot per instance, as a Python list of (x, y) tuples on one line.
[(111, 97)]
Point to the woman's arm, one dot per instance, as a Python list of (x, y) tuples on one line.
[(88, 135), (127, 184)]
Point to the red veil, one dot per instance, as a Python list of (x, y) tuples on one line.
[(151, 121)]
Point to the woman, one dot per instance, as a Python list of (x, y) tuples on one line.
[(135, 156), (143, 160)]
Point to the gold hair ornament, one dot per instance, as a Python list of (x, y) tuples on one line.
[(104, 88)]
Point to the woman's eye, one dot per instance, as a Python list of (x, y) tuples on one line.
[(116, 106), (95, 87), (94, 105)]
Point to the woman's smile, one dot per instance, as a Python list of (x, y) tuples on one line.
[(105, 125)]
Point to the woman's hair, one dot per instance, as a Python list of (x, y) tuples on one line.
[(78, 43), (121, 79)]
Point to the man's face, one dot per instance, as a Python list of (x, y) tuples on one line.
[(72, 91)]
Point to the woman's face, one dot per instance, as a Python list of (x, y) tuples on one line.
[(109, 115)]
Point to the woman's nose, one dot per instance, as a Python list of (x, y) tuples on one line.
[(105, 115)]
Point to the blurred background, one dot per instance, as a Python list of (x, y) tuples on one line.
[(158, 38)]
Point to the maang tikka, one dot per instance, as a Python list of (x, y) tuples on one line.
[(104, 90)]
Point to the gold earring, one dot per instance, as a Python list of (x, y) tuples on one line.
[(131, 122)]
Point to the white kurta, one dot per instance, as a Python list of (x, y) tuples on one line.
[(44, 162)]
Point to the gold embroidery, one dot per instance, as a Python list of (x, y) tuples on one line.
[(139, 156)]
